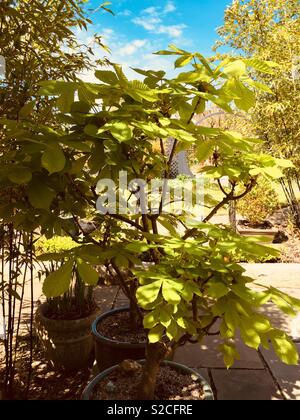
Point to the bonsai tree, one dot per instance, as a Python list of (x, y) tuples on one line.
[(192, 288)]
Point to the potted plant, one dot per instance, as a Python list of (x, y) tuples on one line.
[(256, 207), (63, 322), (191, 287)]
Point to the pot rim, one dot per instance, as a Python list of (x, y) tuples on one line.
[(208, 393), (108, 341), (43, 306)]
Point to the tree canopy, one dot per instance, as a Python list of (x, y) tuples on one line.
[(270, 30)]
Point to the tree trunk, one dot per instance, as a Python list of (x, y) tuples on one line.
[(232, 216), (287, 186), (135, 317), (155, 354)]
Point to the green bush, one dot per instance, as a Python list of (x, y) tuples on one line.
[(54, 245), (260, 203), (77, 301)]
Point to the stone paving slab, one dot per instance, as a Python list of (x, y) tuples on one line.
[(244, 385), (276, 275), (285, 277), (205, 374), (121, 300), (287, 377), (207, 355), (105, 297), (290, 325)]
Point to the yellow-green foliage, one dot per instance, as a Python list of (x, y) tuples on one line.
[(260, 203), (54, 245)]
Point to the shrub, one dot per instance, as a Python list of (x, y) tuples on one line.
[(54, 245), (260, 203), (77, 301)]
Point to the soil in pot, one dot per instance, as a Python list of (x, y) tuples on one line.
[(172, 384), (117, 340), (118, 327)]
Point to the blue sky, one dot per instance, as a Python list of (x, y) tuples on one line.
[(141, 27)]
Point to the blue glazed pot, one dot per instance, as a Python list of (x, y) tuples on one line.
[(208, 394)]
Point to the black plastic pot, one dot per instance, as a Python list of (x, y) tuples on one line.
[(110, 352), (208, 394)]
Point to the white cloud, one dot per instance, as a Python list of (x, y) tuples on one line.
[(150, 24), (125, 13), (174, 31), (107, 33), (151, 11), (151, 19), (132, 47), (137, 52), (170, 7)]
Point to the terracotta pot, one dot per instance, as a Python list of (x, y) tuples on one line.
[(68, 345), (208, 394)]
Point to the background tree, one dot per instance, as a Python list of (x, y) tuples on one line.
[(38, 42), (270, 30)]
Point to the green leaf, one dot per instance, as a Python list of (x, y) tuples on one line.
[(91, 130), (27, 109), (58, 283), (217, 289), (226, 332), (149, 293), (107, 77), (120, 131), (274, 173), (170, 291), (204, 150), (249, 334), (295, 303), (121, 261), (66, 100), (165, 317), (261, 65), (236, 68), (80, 107), (151, 320), (247, 97), (20, 175), (230, 354), (283, 305), (40, 196), (261, 324), (190, 289), (54, 159), (260, 86), (231, 317), (192, 77), (166, 52), (87, 273), (284, 347), (172, 330), (156, 334), (183, 61)]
